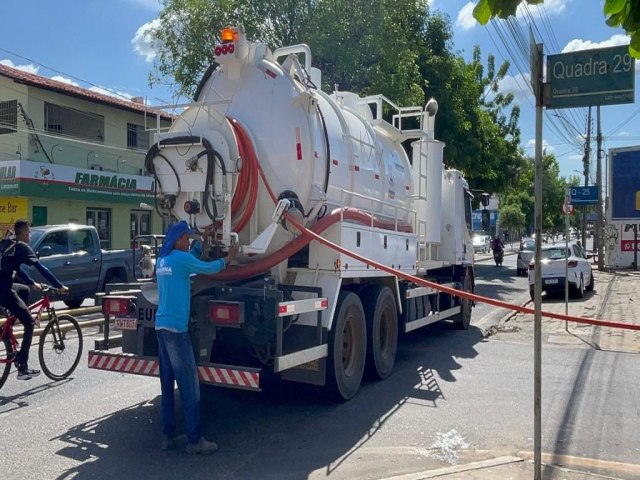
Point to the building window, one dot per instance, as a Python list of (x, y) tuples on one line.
[(137, 137), (72, 122), (8, 117), (101, 219), (140, 223)]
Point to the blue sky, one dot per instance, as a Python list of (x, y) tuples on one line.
[(100, 44)]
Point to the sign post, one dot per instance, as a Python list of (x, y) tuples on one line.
[(567, 208), (536, 56)]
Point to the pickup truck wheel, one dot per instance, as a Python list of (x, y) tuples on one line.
[(112, 278), (347, 348), (382, 331), (74, 302)]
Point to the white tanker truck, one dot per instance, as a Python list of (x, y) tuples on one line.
[(262, 155)]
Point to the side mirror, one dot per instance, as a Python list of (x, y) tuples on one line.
[(45, 251)]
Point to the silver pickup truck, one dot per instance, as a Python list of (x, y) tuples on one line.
[(73, 254)]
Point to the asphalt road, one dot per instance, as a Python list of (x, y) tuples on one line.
[(454, 396)]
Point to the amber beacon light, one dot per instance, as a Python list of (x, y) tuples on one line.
[(227, 35)]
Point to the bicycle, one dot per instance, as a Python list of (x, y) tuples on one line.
[(60, 343)]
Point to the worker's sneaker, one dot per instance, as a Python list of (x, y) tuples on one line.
[(171, 442), (202, 447), (25, 373)]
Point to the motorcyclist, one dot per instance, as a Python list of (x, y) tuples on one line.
[(497, 245)]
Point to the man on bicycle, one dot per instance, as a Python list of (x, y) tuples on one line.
[(15, 296)]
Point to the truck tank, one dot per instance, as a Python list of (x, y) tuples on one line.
[(319, 151)]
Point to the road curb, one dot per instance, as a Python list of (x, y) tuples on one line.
[(440, 472), (492, 321)]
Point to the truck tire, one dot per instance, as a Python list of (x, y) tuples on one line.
[(347, 348), (73, 302), (462, 320), (112, 278), (381, 317)]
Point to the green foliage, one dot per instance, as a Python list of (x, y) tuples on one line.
[(511, 218), (618, 13)]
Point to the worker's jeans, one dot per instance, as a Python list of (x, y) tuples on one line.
[(177, 364)]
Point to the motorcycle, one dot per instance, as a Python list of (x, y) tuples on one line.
[(498, 256)]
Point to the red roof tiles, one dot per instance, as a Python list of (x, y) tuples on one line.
[(26, 78)]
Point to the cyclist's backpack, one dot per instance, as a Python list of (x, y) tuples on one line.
[(7, 249)]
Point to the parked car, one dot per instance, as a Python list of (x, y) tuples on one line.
[(481, 243), (525, 254), (72, 252), (553, 269)]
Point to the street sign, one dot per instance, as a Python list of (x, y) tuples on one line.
[(564, 209), (602, 76), (584, 195)]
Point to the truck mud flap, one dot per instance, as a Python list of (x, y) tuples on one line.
[(244, 378)]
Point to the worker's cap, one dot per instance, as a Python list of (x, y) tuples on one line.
[(173, 234)]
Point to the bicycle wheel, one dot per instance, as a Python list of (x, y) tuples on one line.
[(60, 347), (6, 359)]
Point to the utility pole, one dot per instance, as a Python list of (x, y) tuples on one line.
[(585, 160), (600, 224)]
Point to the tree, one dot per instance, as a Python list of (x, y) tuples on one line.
[(511, 218), (619, 13)]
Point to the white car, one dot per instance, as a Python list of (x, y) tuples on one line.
[(481, 243), (553, 269)]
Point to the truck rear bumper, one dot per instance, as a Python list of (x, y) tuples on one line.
[(209, 373)]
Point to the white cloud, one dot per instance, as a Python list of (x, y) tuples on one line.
[(579, 44), (519, 85), (68, 81), (545, 146), (465, 18), (550, 8), (111, 93), (575, 158), (623, 134), (142, 43), (29, 68)]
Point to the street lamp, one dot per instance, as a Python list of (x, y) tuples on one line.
[(55, 147), (95, 155)]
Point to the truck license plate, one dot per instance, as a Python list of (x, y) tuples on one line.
[(551, 281), (125, 323)]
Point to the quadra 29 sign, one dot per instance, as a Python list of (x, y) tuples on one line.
[(603, 76)]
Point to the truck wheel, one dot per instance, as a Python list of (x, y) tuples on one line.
[(347, 348), (382, 331), (462, 320), (74, 302), (111, 278)]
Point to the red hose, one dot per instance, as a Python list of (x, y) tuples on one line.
[(245, 195), (308, 235)]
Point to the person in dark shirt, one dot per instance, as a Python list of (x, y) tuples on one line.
[(15, 296)]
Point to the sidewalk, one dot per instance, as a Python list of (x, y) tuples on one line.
[(616, 298), (512, 468)]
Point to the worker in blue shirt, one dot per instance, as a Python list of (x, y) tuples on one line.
[(14, 253), (175, 352)]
